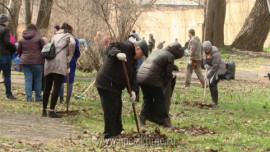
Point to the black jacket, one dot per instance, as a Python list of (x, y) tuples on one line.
[(158, 67), (6, 47), (111, 75)]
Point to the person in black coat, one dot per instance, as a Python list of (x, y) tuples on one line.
[(153, 76), (110, 81), (6, 50)]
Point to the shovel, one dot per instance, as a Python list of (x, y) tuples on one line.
[(68, 95), (205, 87), (129, 91)]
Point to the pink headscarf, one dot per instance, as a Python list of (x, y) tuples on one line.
[(11, 38)]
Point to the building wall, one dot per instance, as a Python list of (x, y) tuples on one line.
[(168, 23)]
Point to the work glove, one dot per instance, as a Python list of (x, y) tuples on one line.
[(133, 96), (173, 75), (122, 56), (85, 49), (206, 66)]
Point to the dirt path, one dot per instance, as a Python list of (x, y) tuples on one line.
[(33, 128)]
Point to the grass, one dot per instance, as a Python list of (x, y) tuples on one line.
[(267, 49), (241, 121)]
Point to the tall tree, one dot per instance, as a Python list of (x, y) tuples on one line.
[(14, 10), (255, 29), (44, 14), (214, 22), (2, 6), (28, 12)]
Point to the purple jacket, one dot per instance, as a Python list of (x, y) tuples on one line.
[(73, 63), (29, 48)]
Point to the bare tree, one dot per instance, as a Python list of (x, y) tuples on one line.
[(28, 12), (2, 6), (44, 15), (14, 10), (123, 15), (255, 29), (214, 23)]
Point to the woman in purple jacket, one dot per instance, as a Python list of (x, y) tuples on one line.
[(29, 50)]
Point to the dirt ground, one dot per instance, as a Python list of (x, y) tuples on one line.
[(33, 128)]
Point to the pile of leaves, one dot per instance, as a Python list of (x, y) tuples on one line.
[(193, 130), (72, 113), (197, 104), (145, 138)]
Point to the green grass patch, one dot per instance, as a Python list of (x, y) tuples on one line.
[(267, 49), (241, 122)]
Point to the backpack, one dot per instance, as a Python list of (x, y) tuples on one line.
[(49, 51), (230, 74)]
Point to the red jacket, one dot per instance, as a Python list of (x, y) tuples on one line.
[(29, 48)]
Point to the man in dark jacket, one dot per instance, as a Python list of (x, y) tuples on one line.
[(6, 50), (153, 76), (216, 68), (110, 81), (151, 43)]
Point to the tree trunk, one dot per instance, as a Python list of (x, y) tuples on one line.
[(28, 12), (2, 8), (214, 23), (255, 29), (14, 7), (44, 15)]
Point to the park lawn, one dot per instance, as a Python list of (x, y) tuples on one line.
[(240, 123), (243, 59)]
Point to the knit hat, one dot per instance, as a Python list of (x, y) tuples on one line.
[(191, 31), (3, 18), (144, 47), (57, 27), (207, 45)]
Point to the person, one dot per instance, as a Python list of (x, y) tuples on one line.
[(110, 81), (56, 69), (84, 43), (72, 66), (216, 68), (151, 43), (56, 28), (153, 76), (29, 50), (12, 40), (6, 50), (160, 45), (194, 63), (133, 32)]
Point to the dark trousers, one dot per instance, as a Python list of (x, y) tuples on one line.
[(112, 107), (153, 108), (214, 88), (56, 81), (5, 66), (168, 92)]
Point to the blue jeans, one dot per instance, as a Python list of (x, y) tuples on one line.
[(33, 74), (5, 66), (62, 90)]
